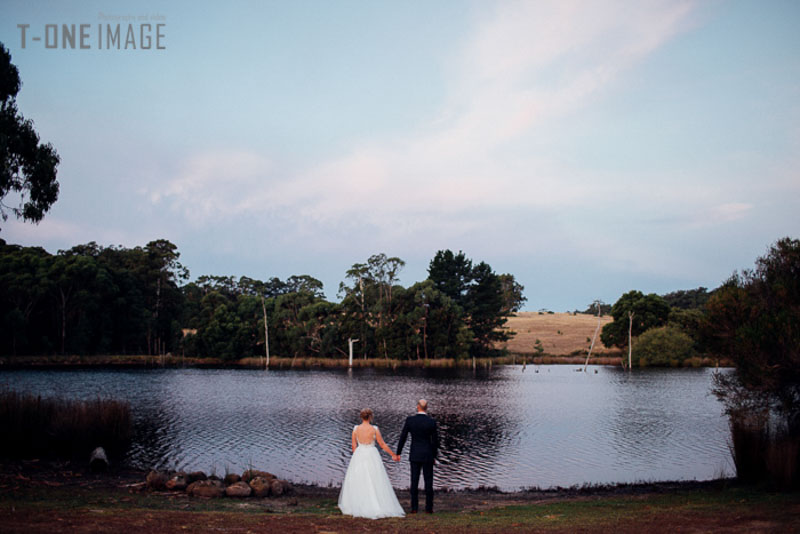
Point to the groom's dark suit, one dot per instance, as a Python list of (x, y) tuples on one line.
[(424, 447)]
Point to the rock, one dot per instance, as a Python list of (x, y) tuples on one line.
[(157, 480), (232, 478), (238, 489), (98, 461), (195, 476), (178, 482), (278, 487), (206, 488), (137, 487), (250, 474), (261, 486)]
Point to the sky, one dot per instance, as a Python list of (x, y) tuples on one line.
[(586, 147)]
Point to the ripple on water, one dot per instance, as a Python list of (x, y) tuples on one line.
[(501, 428)]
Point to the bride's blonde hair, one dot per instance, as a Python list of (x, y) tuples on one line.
[(366, 414)]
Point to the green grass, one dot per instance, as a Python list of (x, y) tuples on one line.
[(604, 512), (585, 512)]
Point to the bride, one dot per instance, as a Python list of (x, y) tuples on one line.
[(366, 490)]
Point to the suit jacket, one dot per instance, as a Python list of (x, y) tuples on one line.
[(424, 438)]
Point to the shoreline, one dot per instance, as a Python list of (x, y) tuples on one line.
[(38, 495), (66, 473), (278, 363)]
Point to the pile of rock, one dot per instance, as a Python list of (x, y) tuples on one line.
[(252, 483)]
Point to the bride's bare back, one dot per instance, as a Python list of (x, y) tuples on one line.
[(366, 434)]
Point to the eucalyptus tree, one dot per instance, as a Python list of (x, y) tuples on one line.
[(27, 167), (513, 297), (368, 302), (163, 274), (290, 317), (438, 323), (23, 288), (77, 286)]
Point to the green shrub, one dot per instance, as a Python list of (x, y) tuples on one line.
[(664, 345)]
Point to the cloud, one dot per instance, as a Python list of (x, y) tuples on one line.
[(725, 213), (216, 184), (525, 65)]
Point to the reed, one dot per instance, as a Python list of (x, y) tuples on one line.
[(762, 454), (749, 438), (37, 427), (782, 462)]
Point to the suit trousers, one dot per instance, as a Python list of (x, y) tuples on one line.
[(427, 475)]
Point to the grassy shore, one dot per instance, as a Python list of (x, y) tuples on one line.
[(170, 361), (36, 498)]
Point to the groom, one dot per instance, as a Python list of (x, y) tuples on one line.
[(424, 446)]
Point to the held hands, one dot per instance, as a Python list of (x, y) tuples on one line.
[(396, 457)]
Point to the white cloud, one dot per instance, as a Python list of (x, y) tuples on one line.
[(215, 184), (724, 213), (525, 65)]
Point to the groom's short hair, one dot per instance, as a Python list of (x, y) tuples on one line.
[(423, 405)]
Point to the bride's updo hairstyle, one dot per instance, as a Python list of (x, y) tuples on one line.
[(366, 414)]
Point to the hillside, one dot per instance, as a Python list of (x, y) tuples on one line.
[(560, 333)]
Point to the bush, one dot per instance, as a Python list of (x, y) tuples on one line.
[(665, 346), (764, 448)]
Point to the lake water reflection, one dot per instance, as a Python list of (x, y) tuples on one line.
[(545, 426)]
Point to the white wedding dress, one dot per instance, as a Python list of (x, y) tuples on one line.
[(366, 490)]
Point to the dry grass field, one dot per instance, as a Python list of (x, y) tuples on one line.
[(560, 333)]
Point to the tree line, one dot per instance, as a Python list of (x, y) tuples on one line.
[(115, 300)]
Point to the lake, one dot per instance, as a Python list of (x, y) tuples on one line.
[(543, 426)]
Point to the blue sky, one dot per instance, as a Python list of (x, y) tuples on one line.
[(588, 148)]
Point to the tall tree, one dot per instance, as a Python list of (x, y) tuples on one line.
[(480, 293), (487, 309), (513, 299), (27, 167), (163, 273), (23, 286), (648, 311), (451, 274), (754, 319), (368, 302)]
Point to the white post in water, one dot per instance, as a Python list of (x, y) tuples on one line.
[(350, 342)]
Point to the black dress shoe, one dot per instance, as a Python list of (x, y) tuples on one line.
[(428, 511), (412, 512)]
